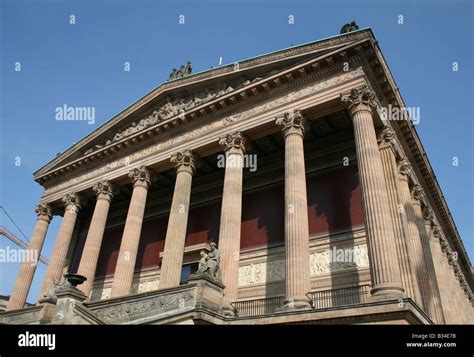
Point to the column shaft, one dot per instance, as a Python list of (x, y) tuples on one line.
[(385, 272), (415, 248), (437, 264), (27, 270), (90, 255), (123, 276), (433, 291), (231, 216), (389, 163), (178, 221), (54, 273), (296, 213)]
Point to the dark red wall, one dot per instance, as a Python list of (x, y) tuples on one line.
[(334, 205), (334, 201)]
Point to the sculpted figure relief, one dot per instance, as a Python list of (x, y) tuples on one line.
[(172, 107)]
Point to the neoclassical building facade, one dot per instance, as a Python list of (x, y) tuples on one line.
[(273, 190)]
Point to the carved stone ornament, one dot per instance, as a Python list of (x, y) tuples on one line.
[(184, 161), (359, 99), (140, 176), (234, 143), (172, 107), (404, 168), (428, 214), (417, 193), (387, 137), (105, 189), (45, 211), (209, 264), (292, 122), (147, 306), (72, 201), (69, 281), (437, 232)]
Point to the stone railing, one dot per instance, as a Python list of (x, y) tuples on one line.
[(320, 300)]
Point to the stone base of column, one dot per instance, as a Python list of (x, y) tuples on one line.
[(388, 289), (228, 310), (296, 303)]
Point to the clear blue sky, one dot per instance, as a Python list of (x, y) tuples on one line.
[(82, 65)]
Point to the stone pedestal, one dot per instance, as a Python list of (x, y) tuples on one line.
[(178, 221), (72, 203), (209, 293), (27, 270), (125, 268), (385, 272)]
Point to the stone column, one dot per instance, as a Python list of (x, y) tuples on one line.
[(123, 277), (387, 143), (105, 192), (414, 246), (231, 216), (27, 270), (296, 213), (72, 203), (433, 291), (385, 272), (433, 233), (178, 220)]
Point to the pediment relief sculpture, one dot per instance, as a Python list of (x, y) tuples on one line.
[(173, 107)]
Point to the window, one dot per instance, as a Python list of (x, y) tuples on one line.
[(186, 271)]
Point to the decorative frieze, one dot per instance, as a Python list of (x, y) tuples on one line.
[(321, 263), (331, 261)]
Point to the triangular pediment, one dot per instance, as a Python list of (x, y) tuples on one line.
[(179, 96)]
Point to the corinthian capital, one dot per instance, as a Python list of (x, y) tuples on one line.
[(359, 99), (417, 193), (235, 143), (140, 176), (44, 211), (387, 137), (105, 190), (72, 202), (428, 214), (404, 168), (437, 232), (184, 161), (292, 122)]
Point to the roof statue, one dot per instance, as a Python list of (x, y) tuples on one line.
[(349, 27), (182, 72)]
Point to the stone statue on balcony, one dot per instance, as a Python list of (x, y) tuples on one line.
[(210, 263)]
